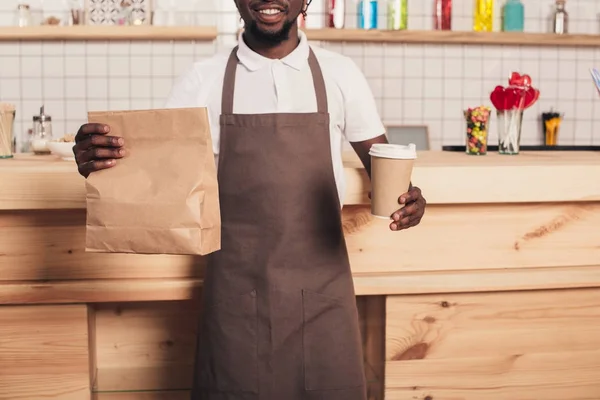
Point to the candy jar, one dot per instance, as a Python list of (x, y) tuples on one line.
[(477, 119), (367, 14), (513, 16), (336, 10), (442, 15), (483, 16), (397, 14)]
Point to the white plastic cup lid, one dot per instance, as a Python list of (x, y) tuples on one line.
[(395, 151)]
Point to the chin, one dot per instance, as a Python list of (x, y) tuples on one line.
[(271, 33)]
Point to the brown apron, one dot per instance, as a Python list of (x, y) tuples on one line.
[(280, 319)]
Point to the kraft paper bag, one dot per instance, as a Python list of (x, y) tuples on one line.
[(162, 198)]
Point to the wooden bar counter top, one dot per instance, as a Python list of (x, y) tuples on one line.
[(495, 296)]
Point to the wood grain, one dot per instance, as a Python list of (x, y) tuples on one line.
[(38, 245), (114, 33), (482, 237), (99, 291), (145, 346), (494, 346), (170, 395), (529, 246), (452, 37), (444, 177), (44, 353)]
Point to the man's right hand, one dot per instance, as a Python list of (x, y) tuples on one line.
[(95, 150)]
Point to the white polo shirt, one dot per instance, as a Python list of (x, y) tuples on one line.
[(265, 85)]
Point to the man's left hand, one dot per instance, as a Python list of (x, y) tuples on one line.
[(410, 215)]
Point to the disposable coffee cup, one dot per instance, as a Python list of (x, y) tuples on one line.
[(391, 170)]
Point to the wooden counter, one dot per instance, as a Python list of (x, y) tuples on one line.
[(494, 296)]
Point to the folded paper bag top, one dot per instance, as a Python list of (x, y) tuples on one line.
[(162, 198)]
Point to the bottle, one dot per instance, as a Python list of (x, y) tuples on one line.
[(397, 14), (483, 16), (513, 16), (442, 15), (23, 17), (367, 14), (336, 11), (561, 18)]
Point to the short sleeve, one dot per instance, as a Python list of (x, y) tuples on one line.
[(362, 120), (185, 90)]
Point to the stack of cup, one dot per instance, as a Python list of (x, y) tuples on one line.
[(7, 119), (391, 171)]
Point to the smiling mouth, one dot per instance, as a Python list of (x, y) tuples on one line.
[(270, 11)]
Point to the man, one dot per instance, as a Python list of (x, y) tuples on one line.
[(280, 318)]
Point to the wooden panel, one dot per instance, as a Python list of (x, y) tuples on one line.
[(99, 291), (171, 395), (451, 37), (476, 237), (476, 280), (91, 33), (445, 177), (44, 353), (371, 310), (39, 245), (145, 346), (494, 346), (151, 346)]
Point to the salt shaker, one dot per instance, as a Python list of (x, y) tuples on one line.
[(42, 133)]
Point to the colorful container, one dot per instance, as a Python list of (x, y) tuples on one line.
[(397, 14), (513, 16), (336, 13), (442, 15), (483, 16), (477, 119), (367, 14)]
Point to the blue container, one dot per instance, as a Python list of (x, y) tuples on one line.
[(367, 14), (513, 16)]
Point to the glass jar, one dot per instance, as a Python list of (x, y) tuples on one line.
[(561, 18), (477, 119), (367, 14), (23, 17), (509, 130), (397, 14), (42, 133), (513, 16), (442, 15), (483, 16)]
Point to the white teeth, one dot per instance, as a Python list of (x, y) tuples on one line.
[(270, 11)]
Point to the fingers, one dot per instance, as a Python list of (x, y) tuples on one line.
[(95, 150), (99, 141), (99, 154), (91, 129), (405, 217), (87, 168), (412, 195)]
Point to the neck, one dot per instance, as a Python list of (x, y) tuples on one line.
[(273, 50)]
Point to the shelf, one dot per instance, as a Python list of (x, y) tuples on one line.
[(106, 32), (452, 37)]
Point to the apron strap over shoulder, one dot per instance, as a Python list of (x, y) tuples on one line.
[(229, 83)]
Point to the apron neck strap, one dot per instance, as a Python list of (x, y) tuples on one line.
[(229, 83)]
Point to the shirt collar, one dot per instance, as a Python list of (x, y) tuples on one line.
[(297, 59)]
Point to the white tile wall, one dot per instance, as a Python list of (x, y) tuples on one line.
[(413, 84)]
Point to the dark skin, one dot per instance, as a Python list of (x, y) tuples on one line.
[(272, 35)]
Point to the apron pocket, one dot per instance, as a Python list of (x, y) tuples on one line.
[(332, 346), (230, 362)]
